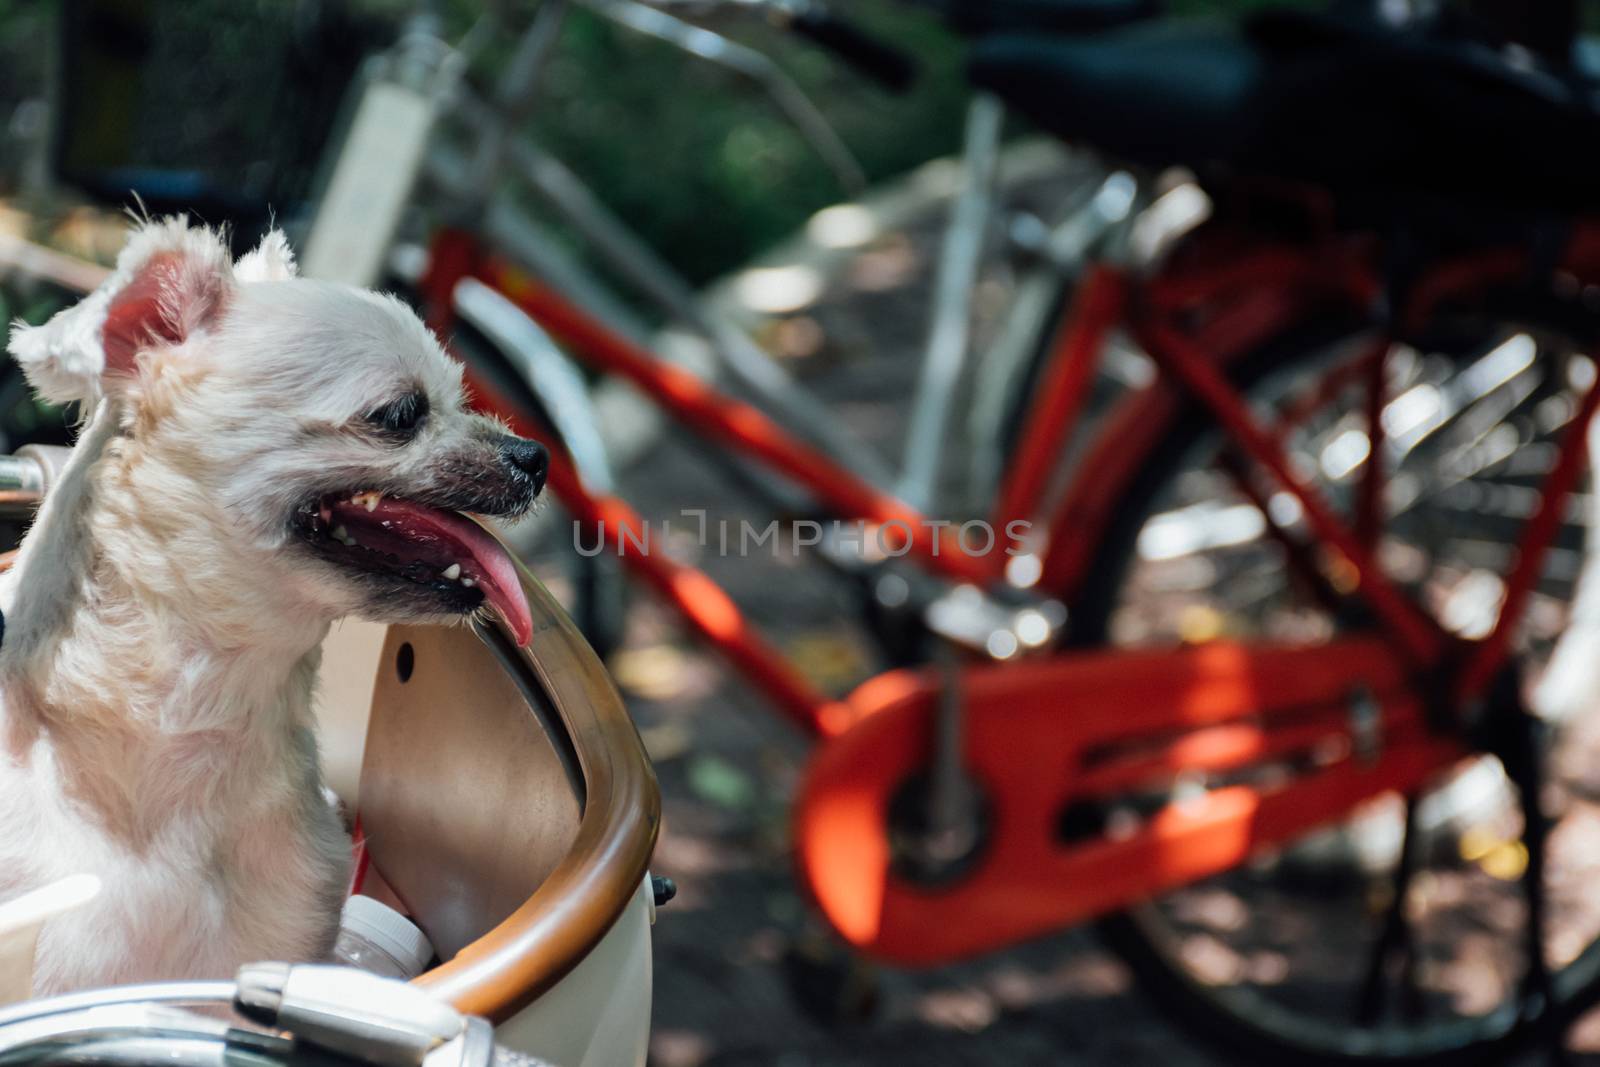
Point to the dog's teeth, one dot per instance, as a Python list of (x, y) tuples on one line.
[(469, 582), (453, 571), (368, 500)]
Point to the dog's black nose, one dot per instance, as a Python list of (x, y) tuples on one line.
[(529, 457)]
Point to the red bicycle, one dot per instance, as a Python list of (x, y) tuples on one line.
[(1318, 565)]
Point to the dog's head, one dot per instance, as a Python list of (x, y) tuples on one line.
[(314, 434)]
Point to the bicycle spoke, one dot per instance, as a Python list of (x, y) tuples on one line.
[(1299, 410), (1470, 454), (1453, 462), (1299, 556), (1495, 369), (1540, 532)]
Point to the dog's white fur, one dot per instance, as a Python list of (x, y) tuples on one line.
[(162, 634)]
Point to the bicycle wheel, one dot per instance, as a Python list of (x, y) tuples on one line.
[(1277, 959)]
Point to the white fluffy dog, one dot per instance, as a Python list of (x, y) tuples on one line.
[(263, 454)]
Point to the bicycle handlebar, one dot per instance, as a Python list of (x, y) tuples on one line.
[(310, 1010), (868, 54), (889, 66)]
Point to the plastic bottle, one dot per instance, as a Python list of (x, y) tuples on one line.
[(376, 938)]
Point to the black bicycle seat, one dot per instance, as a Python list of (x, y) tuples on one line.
[(1047, 16), (1370, 113), (1154, 93)]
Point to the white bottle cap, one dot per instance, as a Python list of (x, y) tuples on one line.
[(389, 931)]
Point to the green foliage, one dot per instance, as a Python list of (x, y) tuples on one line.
[(705, 166), (27, 28)]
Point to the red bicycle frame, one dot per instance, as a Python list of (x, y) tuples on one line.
[(1237, 299), (1216, 299)]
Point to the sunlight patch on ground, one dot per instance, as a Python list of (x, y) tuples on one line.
[(658, 672), (828, 658), (680, 1048), (778, 290), (968, 1010), (842, 226)]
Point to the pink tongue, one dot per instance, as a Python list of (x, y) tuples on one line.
[(450, 536)]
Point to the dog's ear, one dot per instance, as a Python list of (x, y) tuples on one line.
[(272, 261), (171, 282)]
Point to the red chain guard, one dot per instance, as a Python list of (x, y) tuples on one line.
[(1043, 735)]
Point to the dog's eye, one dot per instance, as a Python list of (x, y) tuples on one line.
[(400, 417)]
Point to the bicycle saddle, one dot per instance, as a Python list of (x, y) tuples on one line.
[(1376, 115)]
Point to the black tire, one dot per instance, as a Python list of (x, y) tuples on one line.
[(1175, 988)]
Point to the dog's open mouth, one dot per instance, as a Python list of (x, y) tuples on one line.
[(440, 551)]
